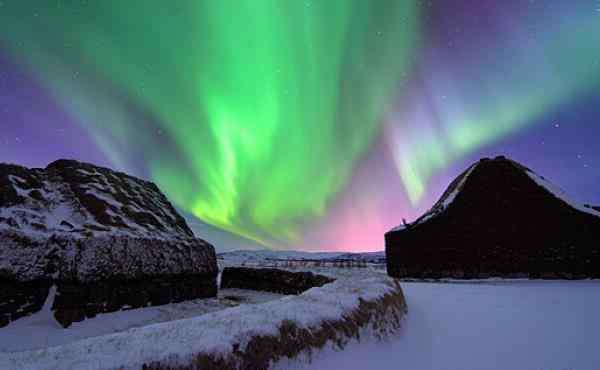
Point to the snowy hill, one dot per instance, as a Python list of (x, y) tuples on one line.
[(80, 200), (93, 231), (457, 186), (77, 219)]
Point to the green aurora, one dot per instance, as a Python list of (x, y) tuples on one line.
[(263, 106), (478, 101)]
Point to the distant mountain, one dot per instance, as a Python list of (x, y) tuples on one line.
[(248, 257), (498, 218), (82, 224), (253, 256)]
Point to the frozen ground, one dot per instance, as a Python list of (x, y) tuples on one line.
[(41, 329), (218, 332), (524, 325), (456, 325)]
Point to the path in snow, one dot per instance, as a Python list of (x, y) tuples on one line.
[(524, 325)]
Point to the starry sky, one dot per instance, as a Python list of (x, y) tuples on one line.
[(303, 124)]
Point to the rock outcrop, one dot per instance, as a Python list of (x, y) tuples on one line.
[(498, 218), (271, 280), (107, 240)]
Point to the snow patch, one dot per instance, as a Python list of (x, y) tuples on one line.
[(560, 194), (443, 204)]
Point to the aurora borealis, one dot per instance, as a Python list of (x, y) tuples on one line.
[(303, 124)]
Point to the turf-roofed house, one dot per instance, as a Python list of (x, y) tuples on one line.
[(498, 218), (89, 240)]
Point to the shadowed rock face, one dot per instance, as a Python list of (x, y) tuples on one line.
[(271, 280), (498, 219), (85, 228)]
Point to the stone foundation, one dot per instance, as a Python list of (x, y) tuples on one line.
[(271, 280), (75, 302)]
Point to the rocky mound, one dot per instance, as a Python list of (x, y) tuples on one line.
[(80, 226), (498, 218)]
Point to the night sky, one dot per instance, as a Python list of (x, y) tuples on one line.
[(308, 124)]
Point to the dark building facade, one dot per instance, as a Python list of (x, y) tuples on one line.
[(501, 219)]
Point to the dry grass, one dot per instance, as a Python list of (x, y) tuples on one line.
[(382, 315)]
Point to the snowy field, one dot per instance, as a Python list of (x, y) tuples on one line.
[(454, 325), (518, 325), (176, 342), (41, 330)]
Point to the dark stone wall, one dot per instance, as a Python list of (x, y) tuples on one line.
[(271, 280), (74, 301), (501, 224)]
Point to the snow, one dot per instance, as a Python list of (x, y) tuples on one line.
[(560, 194), (448, 199), (213, 332), (489, 324), (443, 204), (398, 228), (60, 204), (126, 245), (510, 325), (41, 330)]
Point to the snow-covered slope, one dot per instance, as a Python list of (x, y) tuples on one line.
[(80, 199), (447, 198), (456, 187), (76, 220), (560, 194)]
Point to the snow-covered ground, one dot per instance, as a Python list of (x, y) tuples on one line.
[(452, 325), (518, 325), (217, 332), (41, 330)]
